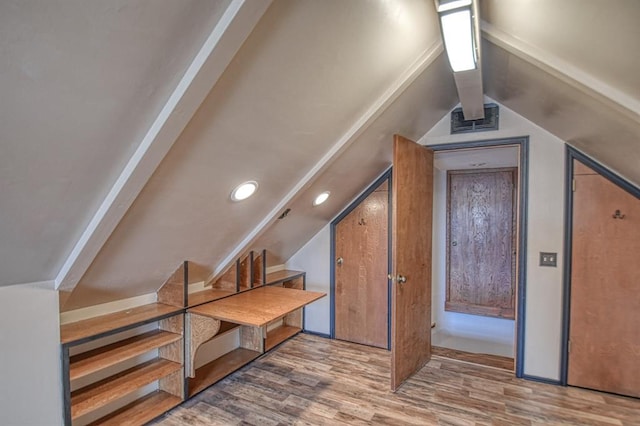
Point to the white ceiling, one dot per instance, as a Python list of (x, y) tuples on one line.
[(309, 103)]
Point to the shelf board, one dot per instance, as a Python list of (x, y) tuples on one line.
[(105, 391), (283, 275), (141, 411), (208, 295), (89, 362), (219, 368), (79, 331), (279, 335), (225, 327)]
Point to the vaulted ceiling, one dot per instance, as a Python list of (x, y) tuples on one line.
[(125, 125)]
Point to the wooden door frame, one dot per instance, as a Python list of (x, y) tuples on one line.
[(573, 154), (387, 175), (523, 190)]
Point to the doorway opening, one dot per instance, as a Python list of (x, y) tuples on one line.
[(488, 328)]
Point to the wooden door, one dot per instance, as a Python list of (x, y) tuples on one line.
[(481, 254), (412, 206), (605, 286), (361, 285)]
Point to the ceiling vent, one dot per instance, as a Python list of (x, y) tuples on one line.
[(489, 122)]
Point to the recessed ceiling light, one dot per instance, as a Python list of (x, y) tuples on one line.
[(321, 198), (244, 191)]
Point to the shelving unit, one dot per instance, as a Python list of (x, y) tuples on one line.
[(103, 375), (129, 367), (252, 312)]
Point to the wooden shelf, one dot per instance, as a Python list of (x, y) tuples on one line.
[(208, 295), (259, 306), (141, 411), (89, 362), (76, 332), (226, 327), (105, 391), (280, 276), (219, 368), (279, 335)]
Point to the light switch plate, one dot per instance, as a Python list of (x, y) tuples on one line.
[(548, 259)]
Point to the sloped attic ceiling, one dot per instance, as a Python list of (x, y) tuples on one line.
[(573, 68), (308, 103), (81, 83), (291, 95)]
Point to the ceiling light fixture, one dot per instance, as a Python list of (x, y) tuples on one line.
[(244, 190), (459, 32), (321, 198)]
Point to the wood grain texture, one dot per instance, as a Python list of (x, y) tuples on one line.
[(483, 359), (314, 381), (105, 391), (412, 211), (173, 290), (297, 282), (173, 384), (252, 338), (605, 288), (141, 411), (282, 275), (228, 281), (481, 254), (207, 295), (361, 284), (200, 329), (245, 278), (258, 306), (219, 368), (79, 330), (258, 268), (279, 335), (107, 356)]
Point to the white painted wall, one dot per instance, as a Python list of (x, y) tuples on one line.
[(471, 333), (30, 375), (545, 228), (313, 258)]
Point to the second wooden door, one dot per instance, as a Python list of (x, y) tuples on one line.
[(361, 289), (604, 345)]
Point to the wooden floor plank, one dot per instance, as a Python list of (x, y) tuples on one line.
[(315, 381)]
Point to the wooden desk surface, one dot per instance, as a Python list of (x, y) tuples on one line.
[(259, 306)]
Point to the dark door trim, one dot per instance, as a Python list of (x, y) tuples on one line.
[(573, 154), (332, 253), (523, 143)]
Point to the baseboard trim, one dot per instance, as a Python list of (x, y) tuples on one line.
[(315, 333), (542, 380)]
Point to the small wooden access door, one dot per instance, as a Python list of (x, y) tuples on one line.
[(361, 285), (604, 345), (412, 209)]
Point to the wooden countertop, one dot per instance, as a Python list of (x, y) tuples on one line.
[(259, 306)]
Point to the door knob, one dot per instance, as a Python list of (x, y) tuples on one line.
[(401, 279), (339, 261)]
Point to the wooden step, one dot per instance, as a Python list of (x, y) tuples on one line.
[(141, 411), (79, 331), (105, 391), (279, 335), (89, 362), (219, 368)]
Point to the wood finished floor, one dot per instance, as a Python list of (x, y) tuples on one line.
[(314, 381)]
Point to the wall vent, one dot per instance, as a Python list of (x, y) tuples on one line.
[(489, 122)]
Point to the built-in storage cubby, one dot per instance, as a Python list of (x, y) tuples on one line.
[(131, 366), (111, 374)]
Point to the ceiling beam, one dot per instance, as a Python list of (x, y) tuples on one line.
[(230, 32), (373, 112), (565, 71)]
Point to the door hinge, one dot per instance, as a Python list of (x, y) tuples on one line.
[(573, 185)]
